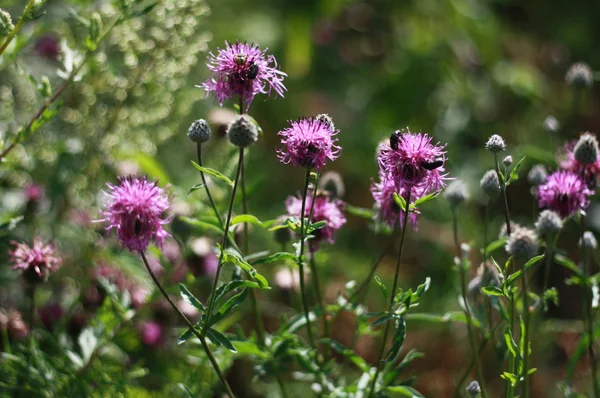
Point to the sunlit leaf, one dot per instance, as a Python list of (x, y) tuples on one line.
[(213, 173)]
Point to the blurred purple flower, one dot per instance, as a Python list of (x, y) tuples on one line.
[(325, 209), (36, 262), (412, 162), (243, 70), (564, 192), (136, 210), (33, 192), (151, 334), (48, 47), (50, 314), (387, 209), (308, 142), (12, 322), (202, 261)]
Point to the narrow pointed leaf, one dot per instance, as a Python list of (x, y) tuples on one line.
[(213, 173)]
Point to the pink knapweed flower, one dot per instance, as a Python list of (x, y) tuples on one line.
[(412, 162), (326, 209), (387, 209), (567, 161), (36, 262), (243, 70), (564, 192), (136, 209), (308, 142)]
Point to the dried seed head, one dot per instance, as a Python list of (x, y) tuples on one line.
[(522, 243), (490, 184), (242, 132), (548, 224), (199, 131), (537, 175), (579, 75), (586, 149), (495, 144), (456, 193), (588, 241)]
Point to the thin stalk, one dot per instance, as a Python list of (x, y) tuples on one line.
[(503, 193), (284, 392), (18, 26), (313, 270), (392, 294), (301, 261), (512, 359), (526, 333), (365, 284), (211, 301), (206, 188), (209, 353), (488, 305), (547, 263), (463, 285)]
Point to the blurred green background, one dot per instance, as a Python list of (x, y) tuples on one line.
[(460, 70)]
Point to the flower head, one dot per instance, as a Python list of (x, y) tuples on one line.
[(551, 124), (564, 192), (586, 149), (243, 70), (36, 262), (412, 162), (136, 210), (473, 389), (456, 193), (548, 224), (333, 183), (199, 131), (308, 142), (495, 144), (242, 131), (522, 243), (490, 184), (588, 240), (537, 175), (579, 75), (387, 210), (569, 161), (325, 209)]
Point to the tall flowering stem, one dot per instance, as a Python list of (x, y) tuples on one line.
[(392, 295), (202, 339), (503, 193), (463, 285), (24, 18), (300, 259), (206, 188), (211, 301), (526, 333)]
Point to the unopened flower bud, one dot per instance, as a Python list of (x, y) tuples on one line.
[(507, 161), (456, 193), (586, 149), (537, 175), (332, 182), (242, 132), (473, 389), (579, 75), (6, 25), (551, 124), (199, 131), (588, 241), (548, 224), (490, 184), (522, 243), (495, 144)]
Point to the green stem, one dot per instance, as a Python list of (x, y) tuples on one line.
[(547, 265), (512, 359), (209, 353), (24, 18), (313, 270), (300, 260), (211, 301), (392, 295), (526, 333), (206, 188), (503, 193), (281, 385)]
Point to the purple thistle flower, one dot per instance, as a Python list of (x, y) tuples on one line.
[(412, 162), (564, 192), (36, 262), (308, 142), (326, 209), (136, 210), (387, 209), (243, 70), (567, 161)]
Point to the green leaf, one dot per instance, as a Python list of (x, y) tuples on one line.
[(213, 173), (195, 188), (189, 298), (148, 165), (495, 245), (360, 212), (249, 218), (201, 224), (229, 306), (381, 320), (514, 174), (349, 354), (533, 261), (250, 270), (299, 321), (273, 258), (421, 289), (405, 391), (219, 339), (400, 201), (233, 285), (426, 198), (510, 343), (492, 291), (318, 225), (250, 348), (381, 286), (185, 336), (398, 339), (568, 264), (510, 377), (451, 316)]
